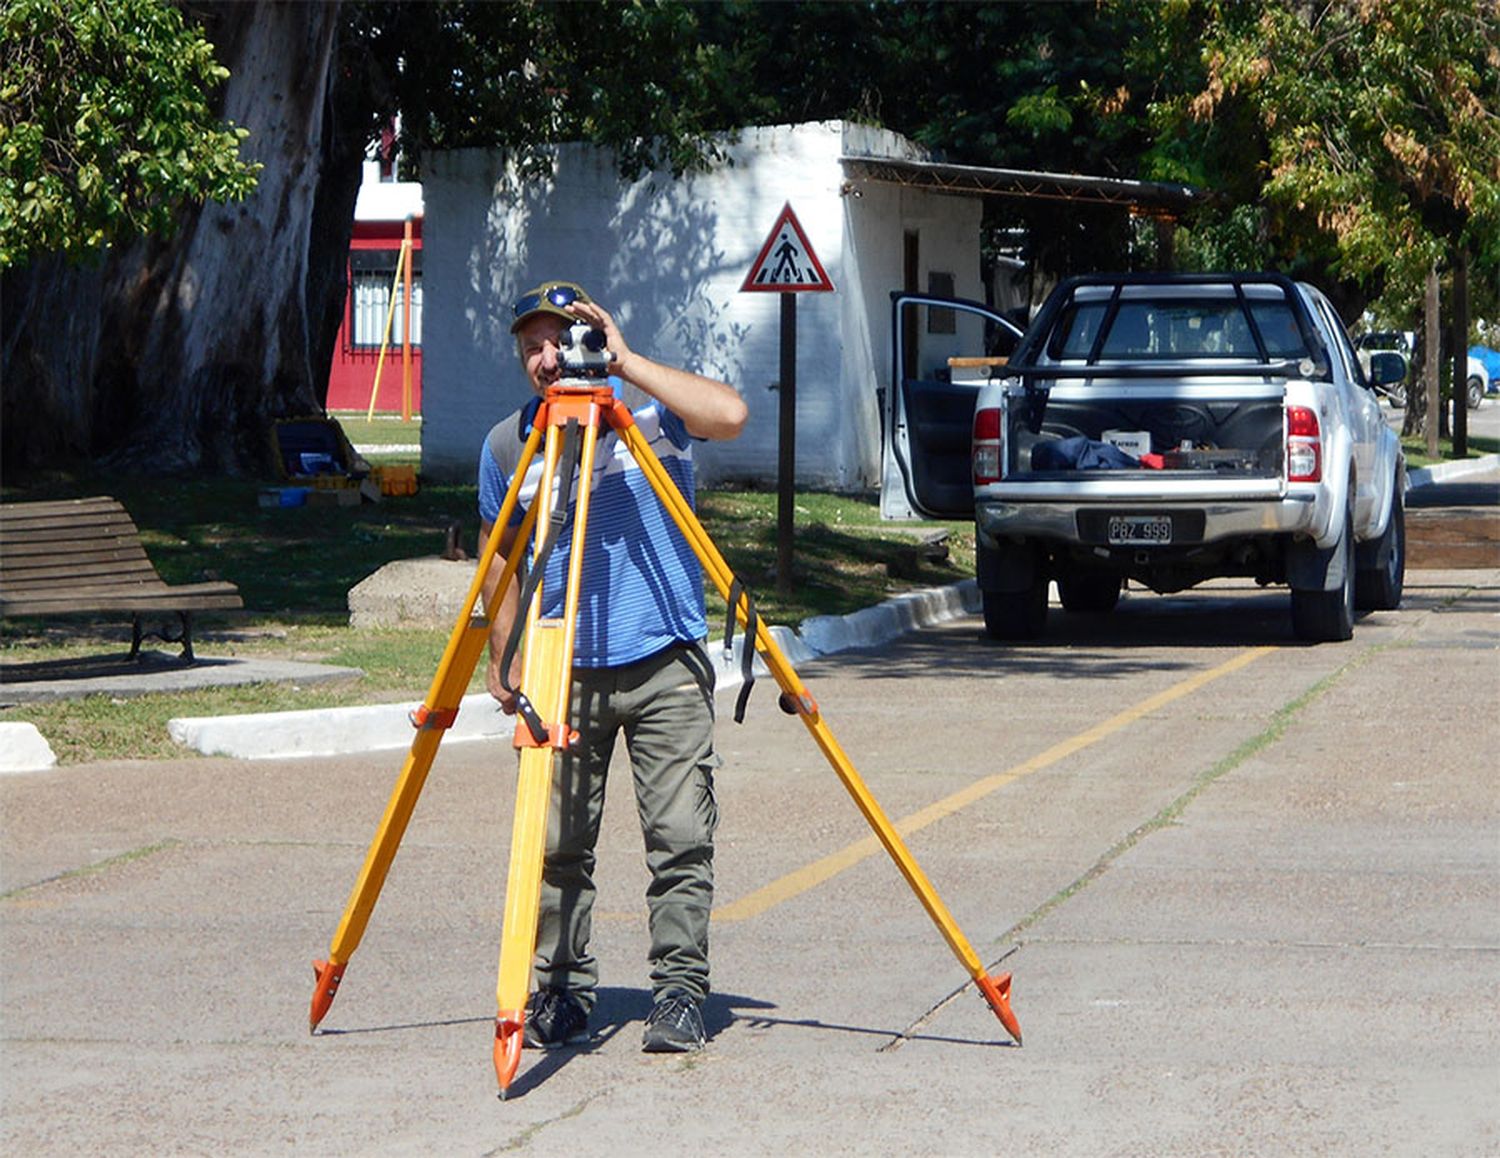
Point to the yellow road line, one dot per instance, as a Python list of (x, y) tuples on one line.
[(811, 875)]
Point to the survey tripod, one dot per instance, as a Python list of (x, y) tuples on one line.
[(567, 425)]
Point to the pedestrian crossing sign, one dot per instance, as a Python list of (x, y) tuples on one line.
[(787, 263)]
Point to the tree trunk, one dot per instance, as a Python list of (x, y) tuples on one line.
[(1431, 390), (1460, 351), (49, 319), (179, 354)]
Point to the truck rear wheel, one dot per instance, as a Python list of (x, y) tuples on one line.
[(1328, 616), (1016, 614), (1089, 592)]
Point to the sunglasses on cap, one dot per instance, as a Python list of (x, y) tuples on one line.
[(560, 296)]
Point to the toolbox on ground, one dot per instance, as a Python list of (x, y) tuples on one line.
[(315, 453)]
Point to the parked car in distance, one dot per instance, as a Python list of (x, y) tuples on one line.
[(1490, 360), (1403, 342), (1477, 382), (1478, 378)]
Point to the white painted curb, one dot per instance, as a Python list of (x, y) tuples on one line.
[(383, 727), (1421, 476), (330, 731), (24, 749)]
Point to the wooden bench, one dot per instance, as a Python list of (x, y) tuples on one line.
[(84, 556)]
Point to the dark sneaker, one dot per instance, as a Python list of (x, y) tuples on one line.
[(555, 1018), (675, 1026)]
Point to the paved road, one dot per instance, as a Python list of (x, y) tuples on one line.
[(1249, 891), (1484, 420)]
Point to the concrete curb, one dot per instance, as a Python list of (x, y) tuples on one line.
[(24, 749), (1446, 471), (387, 727), (328, 731)]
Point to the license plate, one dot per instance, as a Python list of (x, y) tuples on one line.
[(1140, 530)]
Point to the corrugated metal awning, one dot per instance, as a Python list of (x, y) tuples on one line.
[(1149, 196)]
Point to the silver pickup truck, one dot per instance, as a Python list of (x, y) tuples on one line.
[(1165, 429)]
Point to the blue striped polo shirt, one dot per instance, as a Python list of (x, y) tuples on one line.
[(642, 585)]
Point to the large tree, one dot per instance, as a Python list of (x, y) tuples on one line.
[(172, 349), (179, 351), (176, 350), (105, 125), (1379, 131)]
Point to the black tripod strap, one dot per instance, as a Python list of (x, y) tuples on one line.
[(747, 648), (566, 465)]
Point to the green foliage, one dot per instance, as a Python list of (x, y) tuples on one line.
[(1377, 123), (1023, 86), (632, 76), (105, 125), (1039, 113)]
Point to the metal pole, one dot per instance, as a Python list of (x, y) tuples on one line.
[(786, 461), (1461, 351)]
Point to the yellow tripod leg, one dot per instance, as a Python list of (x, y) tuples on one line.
[(528, 843), (797, 698), (448, 690), (432, 719), (547, 682)]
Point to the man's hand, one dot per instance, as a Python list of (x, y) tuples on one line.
[(599, 318), (708, 408)]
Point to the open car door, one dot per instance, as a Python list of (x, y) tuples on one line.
[(942, 349)]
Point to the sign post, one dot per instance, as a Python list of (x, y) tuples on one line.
[(787, 266)]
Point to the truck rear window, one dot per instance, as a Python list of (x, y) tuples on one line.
[(1178, 329)]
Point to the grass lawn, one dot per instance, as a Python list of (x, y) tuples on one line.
[(383, 438), (1416, 450), (295, 566)]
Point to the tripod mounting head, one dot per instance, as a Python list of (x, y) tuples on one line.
[(583, 352)]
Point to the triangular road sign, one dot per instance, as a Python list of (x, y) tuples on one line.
[(787, 263)]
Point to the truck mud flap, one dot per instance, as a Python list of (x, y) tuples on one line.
[(1313, 568)]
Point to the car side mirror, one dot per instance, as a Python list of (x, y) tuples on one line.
[(1386, 368)]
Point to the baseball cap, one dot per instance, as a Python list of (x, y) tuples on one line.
[(551, 297)]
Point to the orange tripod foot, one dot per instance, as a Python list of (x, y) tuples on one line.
[(328, 974), (996, 991), (508, 1038)]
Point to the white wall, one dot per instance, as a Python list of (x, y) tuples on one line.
[(668, 257)]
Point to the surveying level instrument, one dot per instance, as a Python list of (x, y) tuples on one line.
[(567, 425)]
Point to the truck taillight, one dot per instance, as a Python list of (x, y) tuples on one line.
[(986, 446), (1304, 445)]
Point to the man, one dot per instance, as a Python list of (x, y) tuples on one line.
[(638, 667)]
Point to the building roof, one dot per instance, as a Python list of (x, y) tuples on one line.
[(1148, 196)]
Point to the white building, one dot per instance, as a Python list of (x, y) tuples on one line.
[(668, 257)]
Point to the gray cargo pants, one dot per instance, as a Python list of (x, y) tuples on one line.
[(664, 704)]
